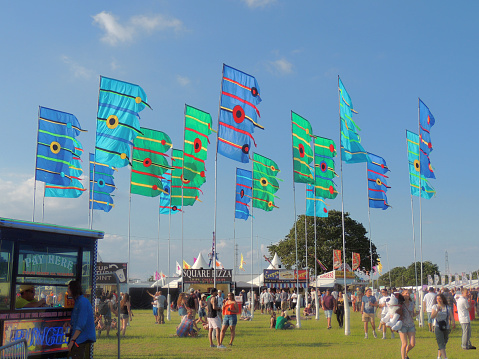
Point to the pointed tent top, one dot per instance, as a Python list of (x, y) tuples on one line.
[(200, 263), (276, 262)]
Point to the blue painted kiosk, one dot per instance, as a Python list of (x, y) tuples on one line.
[(42, 258)]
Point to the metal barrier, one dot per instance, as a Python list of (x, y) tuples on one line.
[(15, 350)]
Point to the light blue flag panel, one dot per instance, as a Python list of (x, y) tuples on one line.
[(55, 147), (240, 96), (351, 149), (244, 193), (101, 185), (118, 121), (377, 182), (75, 189), (416, 180), (426, 121), (165, 205), (311, 200)]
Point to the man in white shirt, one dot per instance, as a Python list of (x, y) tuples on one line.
[(428, 301), (383, 304), (463, 305)]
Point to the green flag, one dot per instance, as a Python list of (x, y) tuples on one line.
[(302, 152), (265, 183)]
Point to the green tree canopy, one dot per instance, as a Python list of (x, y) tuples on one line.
[(404, 277), (329, 237)]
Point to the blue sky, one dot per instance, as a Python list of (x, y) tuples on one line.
[(387, 54)]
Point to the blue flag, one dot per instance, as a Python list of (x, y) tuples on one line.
[(377, 182), (417, 182), (165, 197), (244, 192), (101, 185), (311, 200), (426, 121)]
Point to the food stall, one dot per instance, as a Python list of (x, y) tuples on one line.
[(46, 258)]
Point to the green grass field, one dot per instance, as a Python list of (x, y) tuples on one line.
[(254, 339)]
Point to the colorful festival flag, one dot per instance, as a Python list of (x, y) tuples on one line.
[(55, 146), (149, 162), (302, 151), (101, 185), (75, 189), (377, 182), (416, 180), (197, 130), (351, 149), (380, 266), (356, 260), (180, 187), (178, 269), (426, 121), (337, 258), (238, 114), (118, 121), (324, 172), (312, 200), (186, 265), (265, 183), (242, 263), (165, 205), (244, 193), (321, 265)]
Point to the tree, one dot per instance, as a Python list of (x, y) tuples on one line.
[(403, 277), (329, 237)]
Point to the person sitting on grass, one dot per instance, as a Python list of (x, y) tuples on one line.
[(185, 329), (282, 322), (272, 320), (308, 311)]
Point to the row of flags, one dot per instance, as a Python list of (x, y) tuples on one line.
[(452, 279)]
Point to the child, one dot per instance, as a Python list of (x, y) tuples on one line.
[(272, 320)]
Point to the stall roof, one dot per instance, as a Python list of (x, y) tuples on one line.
[(52, 228)]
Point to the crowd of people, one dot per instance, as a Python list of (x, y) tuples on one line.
[(107, 308)]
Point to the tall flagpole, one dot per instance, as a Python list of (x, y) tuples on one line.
[(315, 231), (35, 172), (43, 204), (251, 301), (294, 205), (421, 314), (216, 180), (168, 313), (94, 161), (306, 244), (158, 248), (129, 228), (370, 240), (347, 330)]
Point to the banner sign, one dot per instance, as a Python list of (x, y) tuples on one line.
[(119, 268), (336, 258), (356, 260), (284, 275), (205, 276), (42, 335)]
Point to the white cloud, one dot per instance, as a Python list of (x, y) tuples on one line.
[(282, 66), (258, 3), (183, 80), (77, 70), (114, 65), (124, 32)]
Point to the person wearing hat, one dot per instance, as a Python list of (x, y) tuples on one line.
[(27, 298)]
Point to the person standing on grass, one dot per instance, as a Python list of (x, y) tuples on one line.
[(463, 305), (368, 305), (155, 305), (340, 309), (428, 301), (160, 303), (384, 311), (407, 333), (125, 312), (329, 304), (230, 317), (213, 319), (284, 300), (441, 312)]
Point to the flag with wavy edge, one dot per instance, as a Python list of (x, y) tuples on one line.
[(165, 205), (265, 183), (182, 193), (242, 263), (377, 182), (415, 177), (324, 168), (55, 146), (240, 96), (149, 162), (302, 151), (337, 258), (351, 149), (75, 189), (197, 130), (312, 200), (426, 121), (244, 192), (101, 185), (356, 261), (118, 120)]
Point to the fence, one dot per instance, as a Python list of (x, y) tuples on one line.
[(14, 350)]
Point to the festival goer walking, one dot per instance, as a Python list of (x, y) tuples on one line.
[(202, 310), (213, 319), (125, 312), (329, 304), (384, 311), (463, 305), (160, 303), (230, 318), (340, 309), (368, 305), (428, 301), (407, 333), (442, 315), (82, 323)]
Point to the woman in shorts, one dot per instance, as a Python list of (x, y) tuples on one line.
[(407, 333), (230, 318), (125, 312)]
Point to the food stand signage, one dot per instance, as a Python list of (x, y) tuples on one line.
[(284, 275), (119, 268), (206, 276)]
